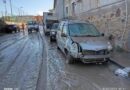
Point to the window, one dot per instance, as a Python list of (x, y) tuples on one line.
[(73, 8), (50, 14), (67, 11)]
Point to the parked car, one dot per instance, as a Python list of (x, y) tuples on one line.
[(80, 40), (53, 32), (32, 25), (11, 28)]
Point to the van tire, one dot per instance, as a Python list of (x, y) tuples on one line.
[(58, 47)]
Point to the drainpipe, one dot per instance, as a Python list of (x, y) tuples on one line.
[(126, 20), (11, 7), (63, 9)]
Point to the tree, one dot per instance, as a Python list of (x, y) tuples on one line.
[(2, 24)]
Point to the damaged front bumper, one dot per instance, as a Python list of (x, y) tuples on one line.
[(94, 58)]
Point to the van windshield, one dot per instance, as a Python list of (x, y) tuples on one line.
[(83, 29), (55, 26), (32, 22)]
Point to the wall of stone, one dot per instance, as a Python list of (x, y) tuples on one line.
[(110, 19)]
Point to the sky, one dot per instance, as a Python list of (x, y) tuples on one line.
[(29, 7)]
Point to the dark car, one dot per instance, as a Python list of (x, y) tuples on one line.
[(32, 25), (11, 28), (53, 31)]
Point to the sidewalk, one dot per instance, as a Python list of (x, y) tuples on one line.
[(121, 58)]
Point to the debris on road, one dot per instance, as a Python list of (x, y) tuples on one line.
[(123, 72)]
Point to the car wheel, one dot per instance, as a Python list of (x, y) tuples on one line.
[(58, 47), (69, 59), (37, 30), (28, 31)]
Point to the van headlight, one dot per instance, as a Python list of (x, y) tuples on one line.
[(109, 46)]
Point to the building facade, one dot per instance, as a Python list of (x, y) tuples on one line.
[(110, 16), (59, 9)]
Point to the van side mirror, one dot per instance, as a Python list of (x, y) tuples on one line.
[(63, 35)]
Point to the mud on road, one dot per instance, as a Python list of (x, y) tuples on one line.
[(31, 62), (79, 76), (20, 61)]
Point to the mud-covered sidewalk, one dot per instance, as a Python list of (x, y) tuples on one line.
[(121, 58)]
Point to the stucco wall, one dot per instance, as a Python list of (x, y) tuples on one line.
[(109, 16), (59, 9), (110, 19)]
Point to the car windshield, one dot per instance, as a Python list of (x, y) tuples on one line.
[(55, 26), (32, 23), (83, 29)]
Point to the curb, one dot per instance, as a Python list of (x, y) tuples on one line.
[(117, 64)]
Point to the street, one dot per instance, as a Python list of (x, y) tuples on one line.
[(31, 62)]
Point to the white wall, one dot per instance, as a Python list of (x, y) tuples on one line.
[(59, 9), (105, 2), (85, 5)]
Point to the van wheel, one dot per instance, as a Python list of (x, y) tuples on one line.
[(69, 59), (58, 47), (37, 30)]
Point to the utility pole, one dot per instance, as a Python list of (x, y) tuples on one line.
[(2, 15), (18, 16), (11, 8), (4, 1), (126, 20), (5, 9), (63, 9), (21, 13)]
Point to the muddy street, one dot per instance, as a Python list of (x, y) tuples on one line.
[(31, 62), (21, 56), (79, 76)]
